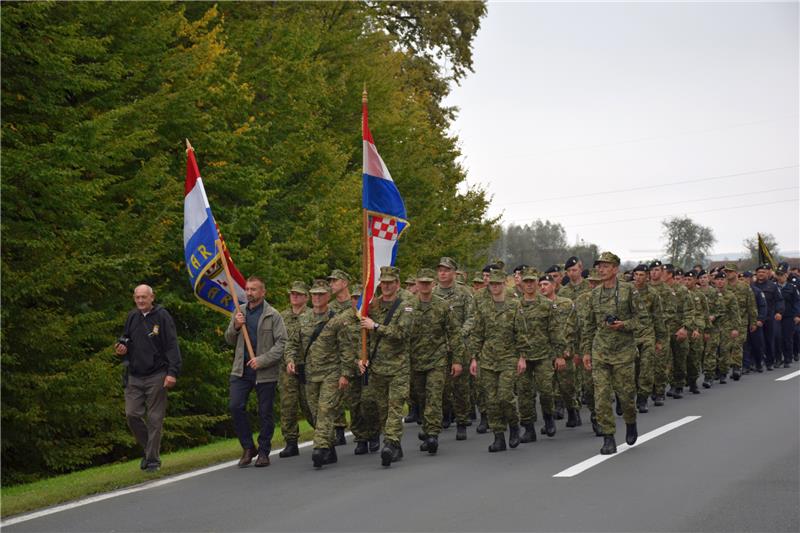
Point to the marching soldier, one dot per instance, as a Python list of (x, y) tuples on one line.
[(650, 338), (700, 313), (748, 315)]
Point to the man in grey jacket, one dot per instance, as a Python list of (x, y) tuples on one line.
[(268, 336)]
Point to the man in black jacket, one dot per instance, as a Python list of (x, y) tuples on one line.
[(150, 347)]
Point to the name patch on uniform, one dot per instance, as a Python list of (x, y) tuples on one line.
[(408, 309)]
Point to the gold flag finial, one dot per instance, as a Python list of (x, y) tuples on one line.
[(189, 146), (364, 94)]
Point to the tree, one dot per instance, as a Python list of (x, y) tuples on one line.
[(540, 244), (687, 243), (751, 244)]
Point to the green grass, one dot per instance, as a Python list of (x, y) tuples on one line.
[(51, 491)]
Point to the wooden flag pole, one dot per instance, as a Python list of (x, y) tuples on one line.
[(364, 251), (232, 288)]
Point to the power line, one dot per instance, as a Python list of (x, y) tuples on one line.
[(648, 187), (794, 200), (582, 213)]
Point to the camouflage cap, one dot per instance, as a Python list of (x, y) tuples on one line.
[(338, 274), (499, 262), (320, 286), (530, 273), (731, 266), (426, 275), (448, 262), (299, 287), (497, 276), (410, 281), (390, 273), (356, 291), (608, 257), (478, 277), (594, 275)]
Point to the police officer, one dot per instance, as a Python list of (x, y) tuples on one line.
[(775, 311), (790, 317)]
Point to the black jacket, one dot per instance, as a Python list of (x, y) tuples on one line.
[(153, 346)]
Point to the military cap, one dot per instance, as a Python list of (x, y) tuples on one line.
[(641, 267), (608, 257), (338, 274), (320, 286), (356, 291), (720, 274), (691, 274), (731, 266), (529, 273), (594, 275), (410, 280), (572, 261), (585, 273), (477, 278), (678, 272), (390, 273), (747, 274), (489, 268), (782, 269), (669, 267), (448, 262), (656, 263), (497, 276), (426, 275), (499, 262), (764, 266), (552, 268), (546, 277), (701, 273), (784, 265), (520, 268), (299, 287)]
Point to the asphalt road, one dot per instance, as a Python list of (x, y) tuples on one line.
[(733, 469)]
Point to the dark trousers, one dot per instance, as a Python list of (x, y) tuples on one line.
[(145, 407), (265, 392), (785, 342), (754, 349), (770, 328)]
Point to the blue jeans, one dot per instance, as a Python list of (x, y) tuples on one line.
[(239, 392)]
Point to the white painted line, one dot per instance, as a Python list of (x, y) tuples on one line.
[(131, 490), (597, 459), (787, 377)]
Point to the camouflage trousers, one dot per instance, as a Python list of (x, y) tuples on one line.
[(358, 425), (713, 357), (680, 354), (456, 397), (564, 385), (428, 385), (412, 393), (293, 405), (501, 404), (538, 377), (693, 360), (610, 379), (736, 350), (645, 366), (477, 394), (588, 388), (382, 404), (662, 368), (325, 401)]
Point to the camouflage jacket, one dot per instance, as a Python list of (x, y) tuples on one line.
[(652, 326), (573, 291), (292, 322), (339, 307), (459, 298), (568, 321), (388, 351), (298, 345), (748, 312), (700, 310), (603, 343), (493, 336), (538, 334), (336, 349), (581, 315), (685, 307), (433, 333)]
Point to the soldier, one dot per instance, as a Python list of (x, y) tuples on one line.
[(383, 399), (308, 331), (330, 366), (684, 310), (725, 328), (650, 337), (775, 310), (582, 310), (475, 384), (540, 340), (556, 273), (518, 279), (436, 348), (492, 345), (790, 317), (700, 313), (576, 285), (748, 314), (339, 281), (609, 348), (564, 377), (477, 282), (669, 308), (293, 393), (457, 385), (411, 285)]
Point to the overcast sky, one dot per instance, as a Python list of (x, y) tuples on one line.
[(608, 118)]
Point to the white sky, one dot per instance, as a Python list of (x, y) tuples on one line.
[(569, 100)]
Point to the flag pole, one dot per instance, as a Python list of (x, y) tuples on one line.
[(364, 247), (232, 289)]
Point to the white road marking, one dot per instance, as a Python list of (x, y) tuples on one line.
[(131, 490), (597, 459), (787, 377)]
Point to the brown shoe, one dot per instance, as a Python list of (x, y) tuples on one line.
[(247, 457), (262, 459)]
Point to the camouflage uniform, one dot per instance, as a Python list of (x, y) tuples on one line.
[(293, 393), (339, 307), (680, 349), (711, 346), (612, 352), (701, 324), (748, 314), (725, 310), (672, 322), (572, 291), (564, 380), (651, 331)]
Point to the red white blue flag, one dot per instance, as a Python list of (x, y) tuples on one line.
[(385, 215), (200, 236)]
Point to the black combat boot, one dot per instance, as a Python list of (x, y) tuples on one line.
[(423, 446), (290, 450), (447, 419), (693, 388), (670, 392), (499, 444), (387, 453), (559, 411), (413, 415), (513, 436), (735, 375), (723, 376), (706, 383), (483, 425), (631, 434), (659, 400), (617, 405), (641, 404), (361, 447), (397, 452), (609, 445), (433, 444), (330, 456), (530, 433), (595, 426), (461, 432), (549, 425), (677, 393), (340, 440), (422, 436), (374, 443), (318, 457), (572, 419)]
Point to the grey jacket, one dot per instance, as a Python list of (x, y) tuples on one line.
[(272, 338)]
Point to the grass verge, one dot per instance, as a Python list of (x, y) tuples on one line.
[(59, 489)]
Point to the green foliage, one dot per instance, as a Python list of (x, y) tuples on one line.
[(97, 100), (687, 243)]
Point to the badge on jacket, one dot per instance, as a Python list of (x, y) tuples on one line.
[(154, 332)]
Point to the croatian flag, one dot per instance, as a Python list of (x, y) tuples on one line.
[(386, 215), (200, 233)]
